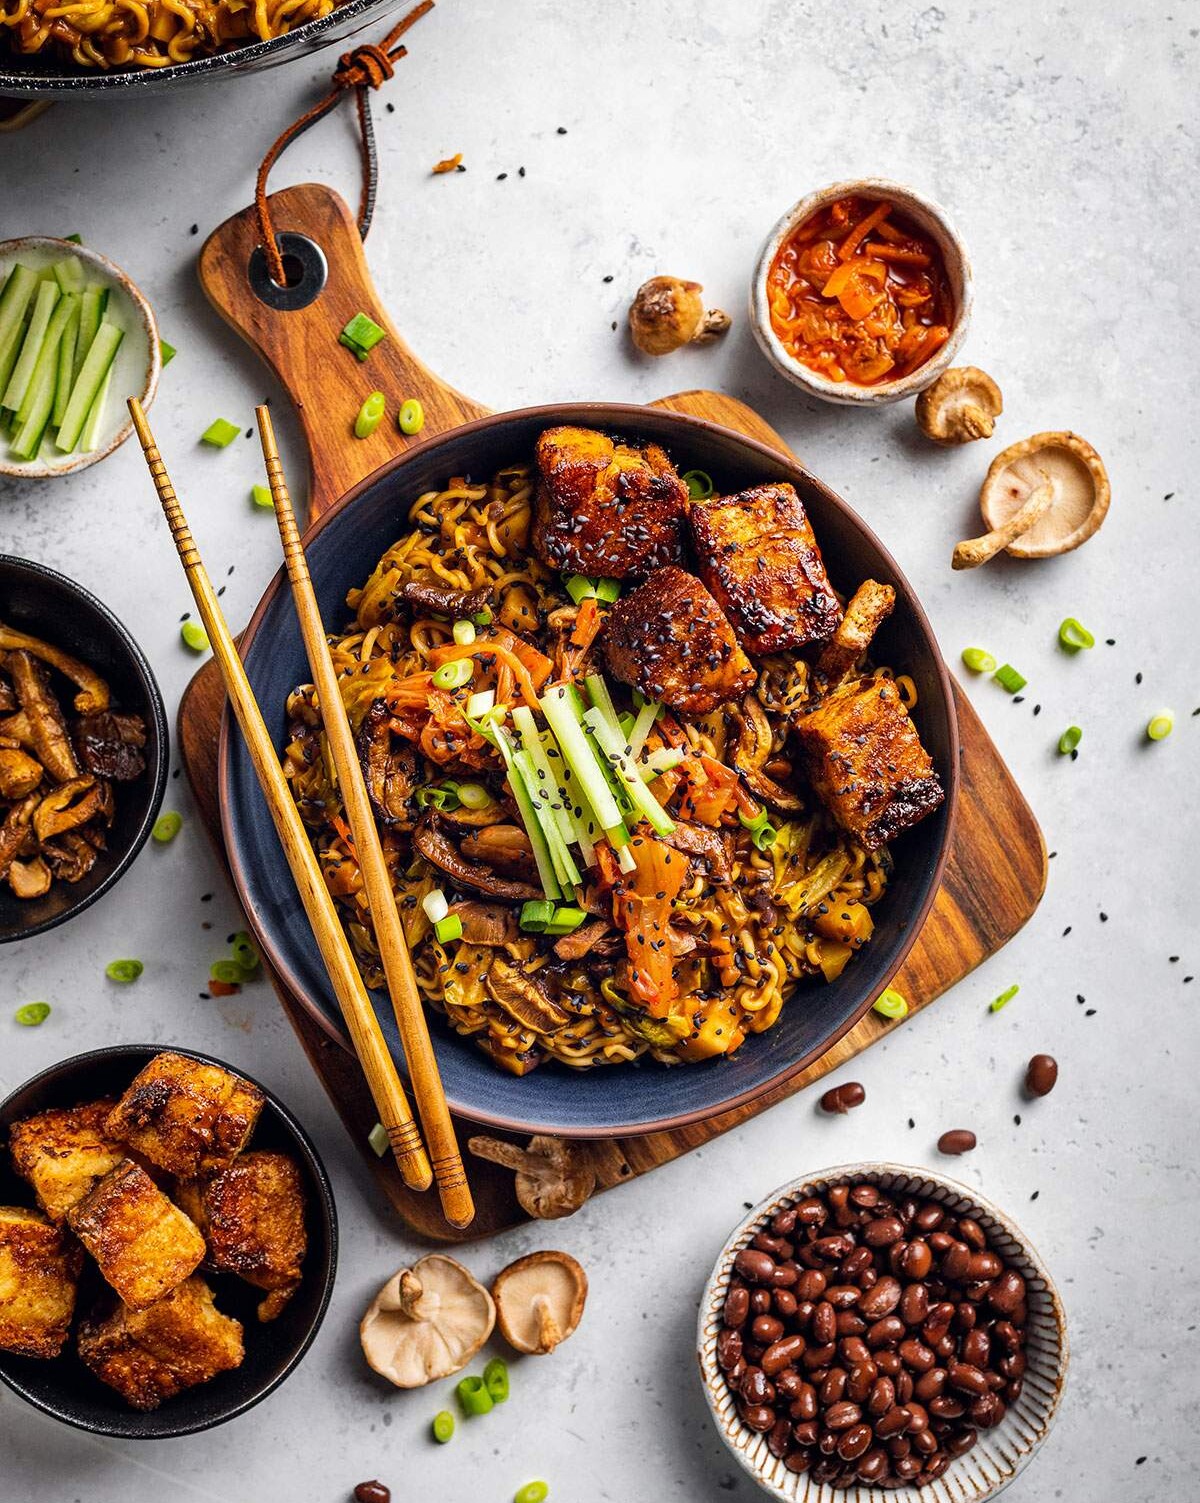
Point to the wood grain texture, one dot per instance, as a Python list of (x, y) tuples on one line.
[(997, 868)]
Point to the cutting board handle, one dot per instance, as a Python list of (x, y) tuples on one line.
[(296, 330)]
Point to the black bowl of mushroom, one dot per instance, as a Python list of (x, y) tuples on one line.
[(83, 748)]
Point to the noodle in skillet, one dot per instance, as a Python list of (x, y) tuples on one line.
[(746, 925)]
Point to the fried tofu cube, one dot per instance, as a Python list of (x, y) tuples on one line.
[(670, 639), (144, 1245), (186, 1116), (606, 508), (866, 762), (39, 1267), (760, 560), (866, 611), (151, 1355), (252, 1217), (63, 1152)]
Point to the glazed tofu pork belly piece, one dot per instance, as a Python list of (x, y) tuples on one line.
[(670, 639), (605, 508), (142, 1243), (63, 1152), (866, 762), (151, 1355), (186, 1116), (39, 1267), (252, 1217), (759, 558)]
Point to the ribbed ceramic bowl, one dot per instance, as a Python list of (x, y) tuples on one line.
[(999, 1454), (929, 217)]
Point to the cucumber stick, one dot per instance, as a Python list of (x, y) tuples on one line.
[(68, 274), (34, 412), (91, 311), (91, 429), (66, 361), (95, 367), (14, 392), (14, 300)]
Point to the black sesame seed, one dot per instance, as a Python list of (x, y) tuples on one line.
[(1174, 959), (1017, 1119), (1104, 918), (1035, 1195), (195, 230), (1140, 1461), (520, 172), (390, 107), (1037, 709), (562, 130), (1137, 678), (1066, 931), (911, 1123), (205, 996), (206, 898), (1089, 1012), (500, 176), (1111, 641)]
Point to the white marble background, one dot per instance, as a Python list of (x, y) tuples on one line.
[(1063, 139)]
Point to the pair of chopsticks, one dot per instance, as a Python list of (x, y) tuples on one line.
[(443, 1162)]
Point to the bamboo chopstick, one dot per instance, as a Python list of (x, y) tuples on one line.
[(423, 1070), (387, 1091)]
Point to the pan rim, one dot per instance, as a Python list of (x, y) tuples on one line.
[(631, 414)]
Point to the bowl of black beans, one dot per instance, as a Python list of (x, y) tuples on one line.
[(876, 1327)]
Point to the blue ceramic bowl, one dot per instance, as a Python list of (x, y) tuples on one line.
[(343, 548)]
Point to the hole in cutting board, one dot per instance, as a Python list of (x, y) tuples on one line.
[(304, 267)]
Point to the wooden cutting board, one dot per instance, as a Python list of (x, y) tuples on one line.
[(997, 868)]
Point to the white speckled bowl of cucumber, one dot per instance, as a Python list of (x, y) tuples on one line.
[(77, 339)]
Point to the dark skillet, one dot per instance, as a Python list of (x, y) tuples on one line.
[(44, 74), (343, 547)]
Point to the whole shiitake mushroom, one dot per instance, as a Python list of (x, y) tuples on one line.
[(668, 313)]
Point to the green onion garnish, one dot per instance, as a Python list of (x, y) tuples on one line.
[(565, 920), (495, 1378), (473, 796), (473, 1395), (535, 915), (261, 496), (167, 351), (448, 929), (699, 485), (443, 1426), (482, 617), (220, 433), (194, 636), (454, 675), (1072, 636), (228, 972), (435, 905), (411, 419), (124, 970), (1069, 740), (166, 827), (378, 1139), (891, 1004), (762, 832), (464, 633), (532, 1492), (361, 335), (608, 590), (245, 952), (32, 1014), (1161, 726), (370, 415), (580, 588), (1008, 678), (1003, 999), (445, 797), (978, 661)]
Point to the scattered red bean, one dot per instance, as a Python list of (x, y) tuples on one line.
[(842, 1098), (372, 1492), (1041, 1075), (957, 1140)]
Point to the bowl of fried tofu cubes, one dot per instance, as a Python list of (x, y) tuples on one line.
[(168, 1242)]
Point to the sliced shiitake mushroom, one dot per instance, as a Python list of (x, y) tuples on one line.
[(539, 1300), (1077, 477), (93, 692)]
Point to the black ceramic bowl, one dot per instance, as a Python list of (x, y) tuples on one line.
[(41, 603), (61, 1386)]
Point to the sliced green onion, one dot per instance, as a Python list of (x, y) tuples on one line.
[(978, 661), (194, 636), (378, 1139), (166, 827), (435, 905), (495, 1379), (535, 915), (361, 335), (473, 796), (464, 633), (448, 929), (167, 351), (220, 433), (411, 418), (482, 617), (1008, 678), (445, 797), (245, 952), (473, 1395), (608, 590), (479, 703), (1003, 999), (370, 415), (891, 1004), (1072, 636), (455, 674), (32, 1014), (261, 496), (228, 972), (443, 1427), (762, 832), (124, 971), (1069, 739), (1161, 726), (532, 1492), (699, 485), (565, 920), (580, 588)]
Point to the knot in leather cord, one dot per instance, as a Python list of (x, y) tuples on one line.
[(367, 66)]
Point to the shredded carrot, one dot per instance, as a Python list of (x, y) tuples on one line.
[(579, 643), (448, 164), (344, 835), (899, 253), (862, 229), (642, 908)]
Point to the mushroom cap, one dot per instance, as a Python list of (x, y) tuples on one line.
[(539, 1300), (553, 1178), (1081, 492), (426, 1322), (665, 314), (961, 405)]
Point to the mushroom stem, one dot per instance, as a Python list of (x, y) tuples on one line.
[(975, 551), (712, 326), (549, 1332), (412, 1296)]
